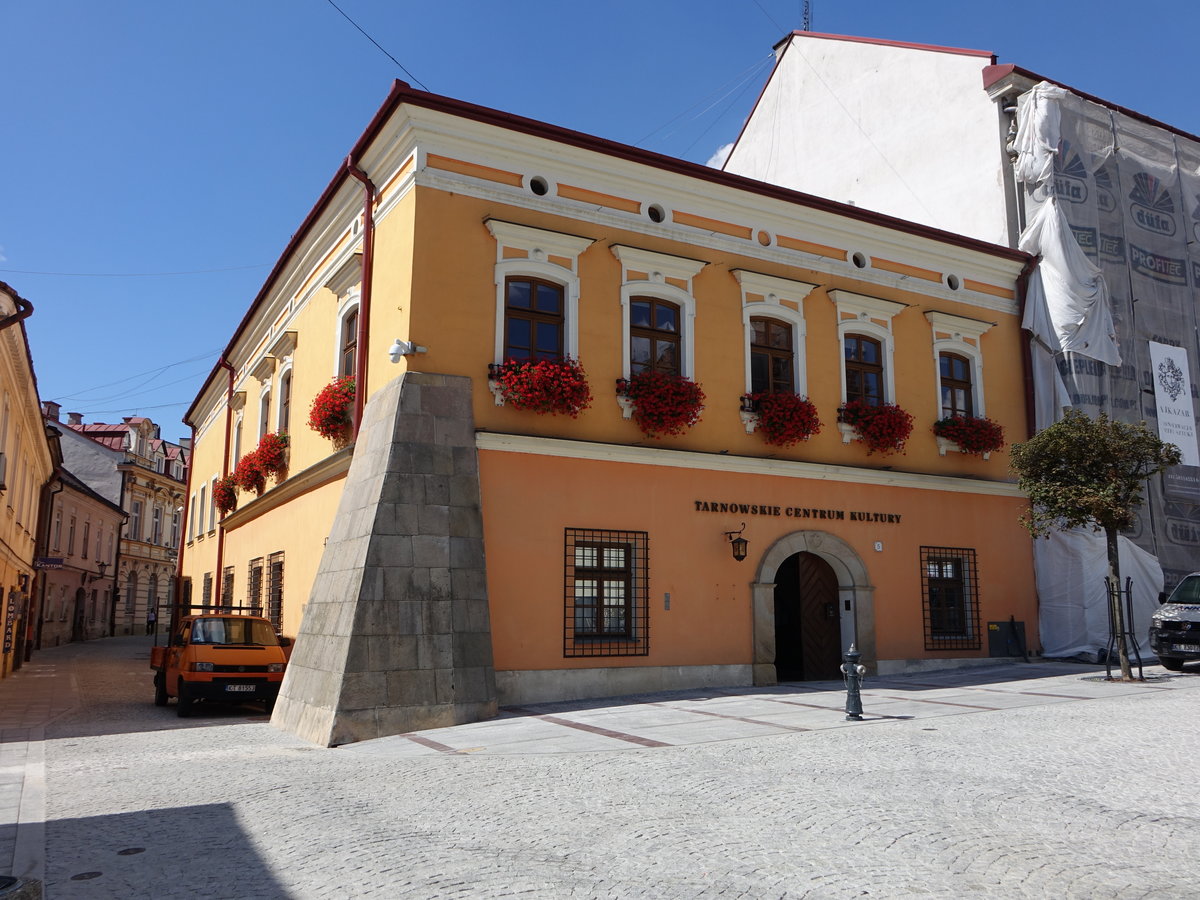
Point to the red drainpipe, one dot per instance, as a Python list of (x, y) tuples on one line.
[(24, 311), (364, 302), (177, 607), (217, 579), (1026, 354)]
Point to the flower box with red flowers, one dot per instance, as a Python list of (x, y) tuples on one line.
[(249, 475), (330, 413), (883, 428), (783, 418), (662, 403), (225, 495), (976, 435), (272, 454), (544, 386)]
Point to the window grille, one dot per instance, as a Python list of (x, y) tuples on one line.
[(949, 590), (227, 587), (254, 587), (606, 593), (275, 589)]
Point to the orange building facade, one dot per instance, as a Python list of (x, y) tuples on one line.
[(459, 238)]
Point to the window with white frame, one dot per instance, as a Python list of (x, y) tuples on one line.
[(658, 312), (87, 536), (202, 507), (212, 504), (192, 506), (773, 318), (958, 361), (264, 411), (348, 343), (867, 346), (135, 521), (156, 525), (537, 292), (285, 401)]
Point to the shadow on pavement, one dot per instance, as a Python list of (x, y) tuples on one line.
[(191, 851)]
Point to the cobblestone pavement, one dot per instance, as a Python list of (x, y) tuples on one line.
[(1019, 781)]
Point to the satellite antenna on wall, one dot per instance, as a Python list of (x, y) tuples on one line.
[(806, 22)]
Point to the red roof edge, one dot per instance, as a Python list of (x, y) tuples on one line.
[(992, 74), (933, 48), (403, 93)]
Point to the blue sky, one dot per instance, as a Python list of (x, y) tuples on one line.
[(143, 138)]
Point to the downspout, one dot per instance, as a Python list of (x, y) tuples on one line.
[(177, 606), (217, 578), (116, 564), (24, 311), (364, 302), (1026, 355), (43, 576)]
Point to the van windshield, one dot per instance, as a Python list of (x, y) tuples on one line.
[(1187, 591), (233, 631)]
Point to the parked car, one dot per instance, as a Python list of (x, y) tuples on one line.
[(219, 656), (1175, 626)]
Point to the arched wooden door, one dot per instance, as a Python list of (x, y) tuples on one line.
[(808, 634)]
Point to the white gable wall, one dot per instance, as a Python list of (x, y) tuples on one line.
[(901, 130)]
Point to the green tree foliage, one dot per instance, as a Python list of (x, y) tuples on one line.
[(1090, 472)]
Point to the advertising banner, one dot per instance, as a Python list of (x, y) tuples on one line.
[(1173, 397)]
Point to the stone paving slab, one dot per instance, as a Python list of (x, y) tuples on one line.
[(670, 795)]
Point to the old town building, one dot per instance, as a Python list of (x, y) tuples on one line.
[(27, 461), (1108, 197), (131, 465), (461, 545)]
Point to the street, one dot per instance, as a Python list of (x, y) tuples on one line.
[(1021, 780)]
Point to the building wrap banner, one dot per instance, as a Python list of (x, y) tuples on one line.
[(1130, 192)]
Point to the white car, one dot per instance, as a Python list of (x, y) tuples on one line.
[(1175, 626)]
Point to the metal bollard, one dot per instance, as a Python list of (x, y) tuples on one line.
[(852, 674)]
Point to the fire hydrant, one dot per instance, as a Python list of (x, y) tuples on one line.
[(852, 674)]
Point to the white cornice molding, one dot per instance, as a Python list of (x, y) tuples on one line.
[(652, 263), (861, 304), (687, 459), (284, 346), (959, 326), (537, 240), (347, 275), (771, 287)]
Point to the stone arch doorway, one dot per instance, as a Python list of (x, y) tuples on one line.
[(822, 554), (808, 627)]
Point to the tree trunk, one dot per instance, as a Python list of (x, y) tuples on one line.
[(1116, 608)]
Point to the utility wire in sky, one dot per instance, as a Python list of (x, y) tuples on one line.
[(720, 94), (377, 44), (77, 395), (769, 16), (135, 274)]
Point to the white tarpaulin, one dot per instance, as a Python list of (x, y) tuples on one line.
[(1073, 289), (1073, 615)]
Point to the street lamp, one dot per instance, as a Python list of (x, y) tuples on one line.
[(100, 574), (738, 543)]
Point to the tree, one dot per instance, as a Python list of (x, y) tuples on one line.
[(1083, 471)]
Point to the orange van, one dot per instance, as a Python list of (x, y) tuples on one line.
[(219, 656)]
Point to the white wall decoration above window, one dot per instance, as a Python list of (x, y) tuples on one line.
[(869, 318), (659, 277), (524, 252), (957, 367), (781, 300)]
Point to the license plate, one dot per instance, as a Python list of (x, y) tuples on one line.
[(240, 687), (1186, 648)]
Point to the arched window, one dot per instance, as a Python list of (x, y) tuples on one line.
[(957, 390), (348, 345), (655, 342), (285, 400), (533, 318), (772, 357), (864, 369), (264, 412)]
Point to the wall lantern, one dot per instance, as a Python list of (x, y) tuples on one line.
[(101, 566), (738, 543)]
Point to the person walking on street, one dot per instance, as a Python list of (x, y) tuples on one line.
[(151, 620)]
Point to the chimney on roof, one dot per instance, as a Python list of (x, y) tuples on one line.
[(74, 418), (50, 409)]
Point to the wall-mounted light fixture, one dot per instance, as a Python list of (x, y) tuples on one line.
[(738, 543), (100, 574), (401, 348)]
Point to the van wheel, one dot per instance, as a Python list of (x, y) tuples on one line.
[(160, 690), (185, 702), (1171, 664)]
